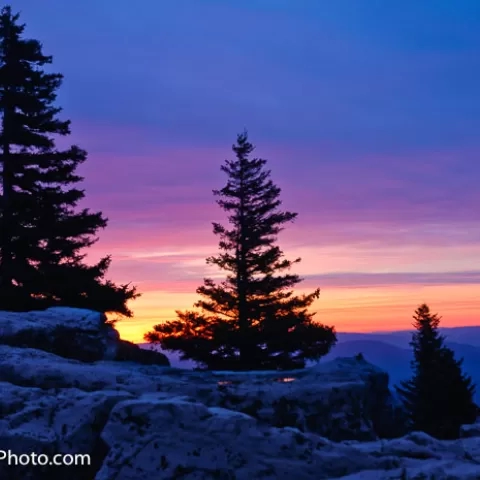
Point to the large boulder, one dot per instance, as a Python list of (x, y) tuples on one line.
[(72, 333), (68, 332), (345, 399), (162, 437)]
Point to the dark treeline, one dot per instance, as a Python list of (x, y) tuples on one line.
[(251, 320), (438, 399), (42, 237)]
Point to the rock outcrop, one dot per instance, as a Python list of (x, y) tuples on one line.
[(339, 400), (161, 437), (71, 333), (129, 352), (153, 422)]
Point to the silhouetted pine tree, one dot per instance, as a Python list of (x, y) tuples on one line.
[(41, 235), (252, 320), (439, 397)]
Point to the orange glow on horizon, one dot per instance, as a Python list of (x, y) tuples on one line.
[(348, 309), (367, 283)]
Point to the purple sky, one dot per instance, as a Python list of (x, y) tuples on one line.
[(368, 112)]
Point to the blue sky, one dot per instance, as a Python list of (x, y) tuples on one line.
[(368, 112)]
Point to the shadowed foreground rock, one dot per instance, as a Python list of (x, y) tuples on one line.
[(160, 437), (129, 352), (154, 423)]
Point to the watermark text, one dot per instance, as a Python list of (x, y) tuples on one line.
[(41, 459)]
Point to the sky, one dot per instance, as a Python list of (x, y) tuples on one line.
[(367, 111)]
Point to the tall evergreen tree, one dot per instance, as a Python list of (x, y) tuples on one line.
[(42, 237), (252, 319), (438, 399)]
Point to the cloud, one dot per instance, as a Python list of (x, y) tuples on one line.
[(378, 198), (362, 279)]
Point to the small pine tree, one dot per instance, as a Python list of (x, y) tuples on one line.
[(251, 320), (41, 235), (439, 397)]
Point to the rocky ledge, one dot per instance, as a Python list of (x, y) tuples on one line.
[(72, 333), (154, 422)]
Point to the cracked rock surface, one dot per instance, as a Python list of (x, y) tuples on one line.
[(153, 422)]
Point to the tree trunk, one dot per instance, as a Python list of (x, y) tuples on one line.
[(243, 321)]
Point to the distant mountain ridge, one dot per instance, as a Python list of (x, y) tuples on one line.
[(391, 351), (396, 360), (401, 338)]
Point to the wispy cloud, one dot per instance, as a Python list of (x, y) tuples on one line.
[(362, 280)]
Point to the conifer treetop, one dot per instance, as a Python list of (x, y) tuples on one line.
[(252, 319), (43, 236)]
